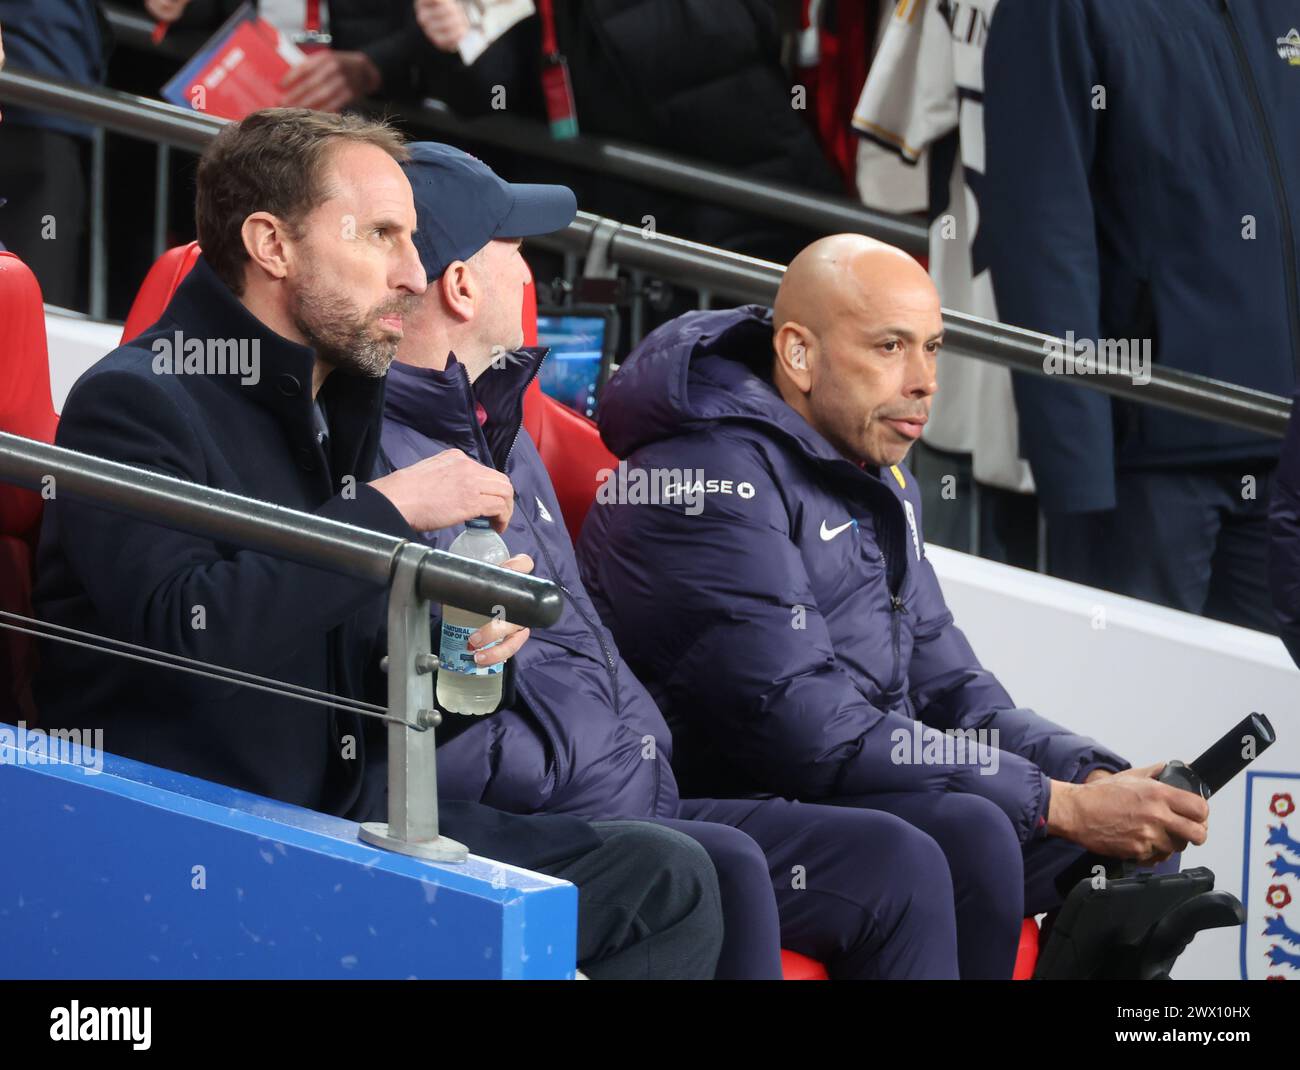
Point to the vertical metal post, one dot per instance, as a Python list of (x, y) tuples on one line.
[(705, 301), (1042, 542), (570, 272), (161, 199), (412, 826), (636, 325), (98, 260), (976, 534)]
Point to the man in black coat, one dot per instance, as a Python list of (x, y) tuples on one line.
[(265, 377)]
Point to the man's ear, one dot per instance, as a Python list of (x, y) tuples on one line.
[(266, 240), (796, 349), (460, 291)]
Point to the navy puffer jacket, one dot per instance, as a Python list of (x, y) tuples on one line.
[(781, 609), (584, 737)]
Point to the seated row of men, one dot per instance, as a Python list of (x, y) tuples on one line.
[(786, 626)]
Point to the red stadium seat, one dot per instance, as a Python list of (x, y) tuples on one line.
[(797, 967), (25, 409), (157, 289), (569, 443), (1027, 952), (572, 451)]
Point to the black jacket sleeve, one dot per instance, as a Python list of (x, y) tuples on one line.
[(148, 582)]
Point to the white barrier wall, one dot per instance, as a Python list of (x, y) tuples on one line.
[(74, 344), (1152, 683)]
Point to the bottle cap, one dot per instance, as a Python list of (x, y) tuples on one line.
[(479, 523)]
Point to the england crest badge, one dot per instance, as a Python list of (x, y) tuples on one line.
[(1270, 938)]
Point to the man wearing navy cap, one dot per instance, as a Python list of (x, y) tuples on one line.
[(582, 736)]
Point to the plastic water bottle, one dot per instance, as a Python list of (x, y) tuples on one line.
[(463, 686)]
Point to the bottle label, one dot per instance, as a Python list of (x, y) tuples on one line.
[(456, 655)]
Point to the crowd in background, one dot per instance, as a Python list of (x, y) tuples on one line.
[(1111, 169)]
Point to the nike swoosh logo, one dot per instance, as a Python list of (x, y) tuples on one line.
[(830, 533)]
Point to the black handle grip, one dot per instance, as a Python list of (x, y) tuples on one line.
[(1240, 746), (1219, 764), (1180, 775)]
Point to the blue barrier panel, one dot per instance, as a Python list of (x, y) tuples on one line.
[(131, 871)]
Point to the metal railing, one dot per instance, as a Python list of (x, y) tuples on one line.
[(710, 270), (274, 529), (646, 167), (674, 174), (415, 575), (745, 278), (107, 109)]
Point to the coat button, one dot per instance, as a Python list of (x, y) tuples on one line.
[(289, 386)]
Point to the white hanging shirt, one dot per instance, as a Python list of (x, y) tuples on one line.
[(926, 81)]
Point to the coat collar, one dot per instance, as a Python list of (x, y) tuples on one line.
[(440, 404), (203, 307)]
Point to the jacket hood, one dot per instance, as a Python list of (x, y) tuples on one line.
[(697, 370)]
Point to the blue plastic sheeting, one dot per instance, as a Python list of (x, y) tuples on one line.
[(129, 871)]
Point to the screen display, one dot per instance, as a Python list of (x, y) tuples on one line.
[(571, 373)]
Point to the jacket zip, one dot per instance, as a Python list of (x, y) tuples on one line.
[(893, 584), (1279, 187), (550, 561), (896, 611), (520, 426), (467, 388)]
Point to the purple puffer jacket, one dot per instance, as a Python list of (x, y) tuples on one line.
[(584, 738), (781, 609)]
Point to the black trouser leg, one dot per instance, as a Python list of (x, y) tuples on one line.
[(648, 904)]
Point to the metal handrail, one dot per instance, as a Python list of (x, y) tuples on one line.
[(676, 174), (125, 113), (720, 271), (274, 529), (746, 278), (659, 170)]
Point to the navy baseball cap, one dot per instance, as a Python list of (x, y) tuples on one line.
[(461, 204)]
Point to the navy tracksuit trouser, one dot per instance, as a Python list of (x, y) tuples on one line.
[(996, 880), (878, 886), (863, 892)]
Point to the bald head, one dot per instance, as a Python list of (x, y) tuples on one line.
[(840, 275), (857, 327)]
